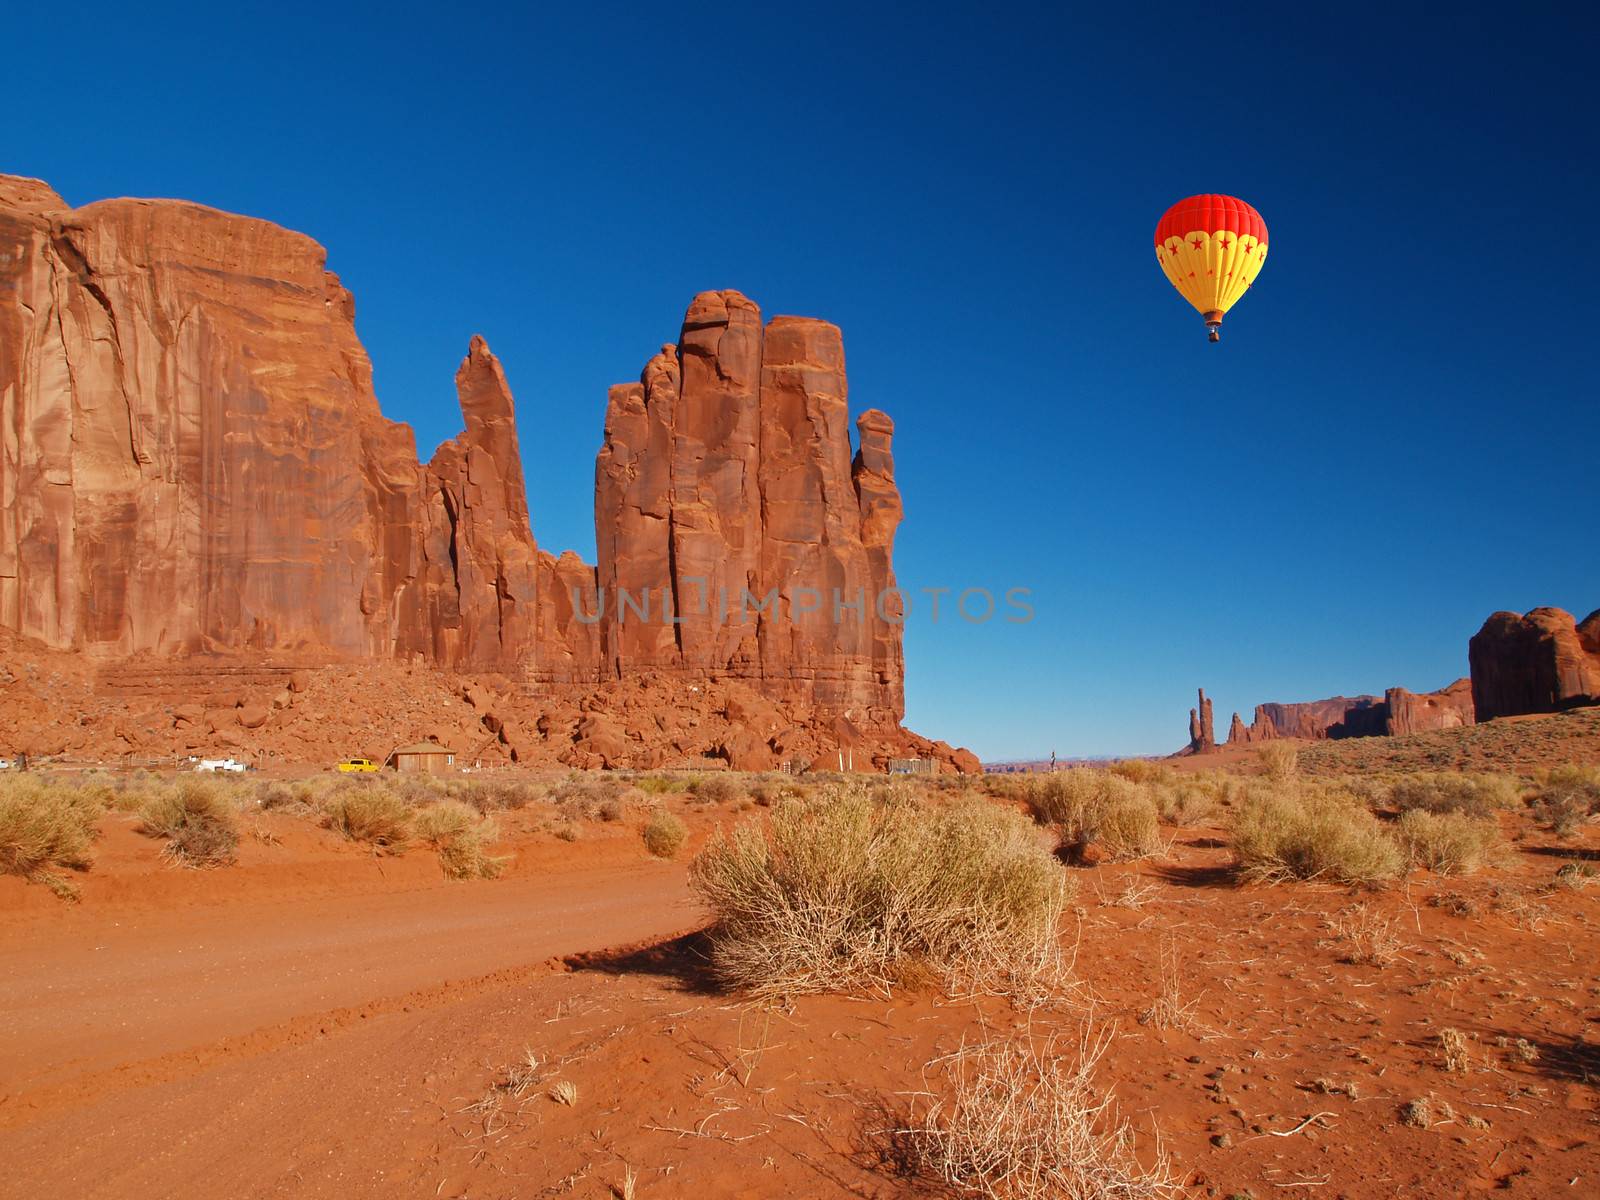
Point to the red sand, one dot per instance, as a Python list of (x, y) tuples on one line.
[(304, 1025)]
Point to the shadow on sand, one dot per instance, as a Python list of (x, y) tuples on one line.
[(684, 961)]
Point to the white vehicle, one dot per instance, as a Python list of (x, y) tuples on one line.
[(5, 764), (219, 764)]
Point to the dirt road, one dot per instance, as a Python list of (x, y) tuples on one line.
[(99, 993)]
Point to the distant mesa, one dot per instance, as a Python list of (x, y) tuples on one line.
[(1544, 662)]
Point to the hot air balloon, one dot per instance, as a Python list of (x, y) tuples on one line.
[(1211, 248)]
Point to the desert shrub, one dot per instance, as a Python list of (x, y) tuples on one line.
[(129, 793), (1566, 797), (459, 835), (1020, 1119), (660, 785), (197, 819), (613, 810), (1143, 770), (1451, 843), (1089, 806), (1191, 800), (369, 812), (1280, 761), (837, 892), (580, 797), (1451, 792), (45, 829), (716, 789), (1373, 791), (299, 797), (769, 789), (664, 834), (568, 831), (493, 795), (1288, 833)]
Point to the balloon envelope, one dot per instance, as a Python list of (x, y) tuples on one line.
[(1211, 249)]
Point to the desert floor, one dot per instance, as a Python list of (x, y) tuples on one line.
[(317, 1021)]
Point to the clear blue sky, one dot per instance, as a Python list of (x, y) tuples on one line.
[(1396, 436)]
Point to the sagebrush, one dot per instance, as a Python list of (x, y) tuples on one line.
[(841, 892), (1297, 832)]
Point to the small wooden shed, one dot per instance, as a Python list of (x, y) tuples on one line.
[(427, 758)]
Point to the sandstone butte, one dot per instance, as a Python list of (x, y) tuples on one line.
[(1543, 662), (197, 481)]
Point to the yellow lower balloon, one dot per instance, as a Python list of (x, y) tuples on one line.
[(1212, 270)]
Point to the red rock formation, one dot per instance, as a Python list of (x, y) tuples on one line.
[(701, 576), (191, 444), (1202, 732), (1340, 716), (716, 497), (1399, 712), (1543, 662), (1448, 708), (193, 463), (873, 473), (1237, 733)]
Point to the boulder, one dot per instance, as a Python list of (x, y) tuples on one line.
[(254, 715)]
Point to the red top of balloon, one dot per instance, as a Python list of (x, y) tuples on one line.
[(1211, 213)]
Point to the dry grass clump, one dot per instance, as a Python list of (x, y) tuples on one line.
[(840, 893), (491, 795), (1280, 761), (716, 789), (1101, 808), (1143, 770), (1191, 799), (1566, 798), (661, 785), (1451, 843), (198, 821), (371, 813), (767, 790), (460, 836), (1454, 1054), (1368, 935), (582, 797), (1021, 1119), (1574, 876), (1303, 833), (1451, 792), (45, 828), (1417, 1113), (664, 834)]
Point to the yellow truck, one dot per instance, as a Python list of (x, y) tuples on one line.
[(352, 765)]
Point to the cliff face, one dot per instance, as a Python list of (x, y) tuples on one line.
[(1542, 662), (192, 461), (1448, 708), (192, 458)]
